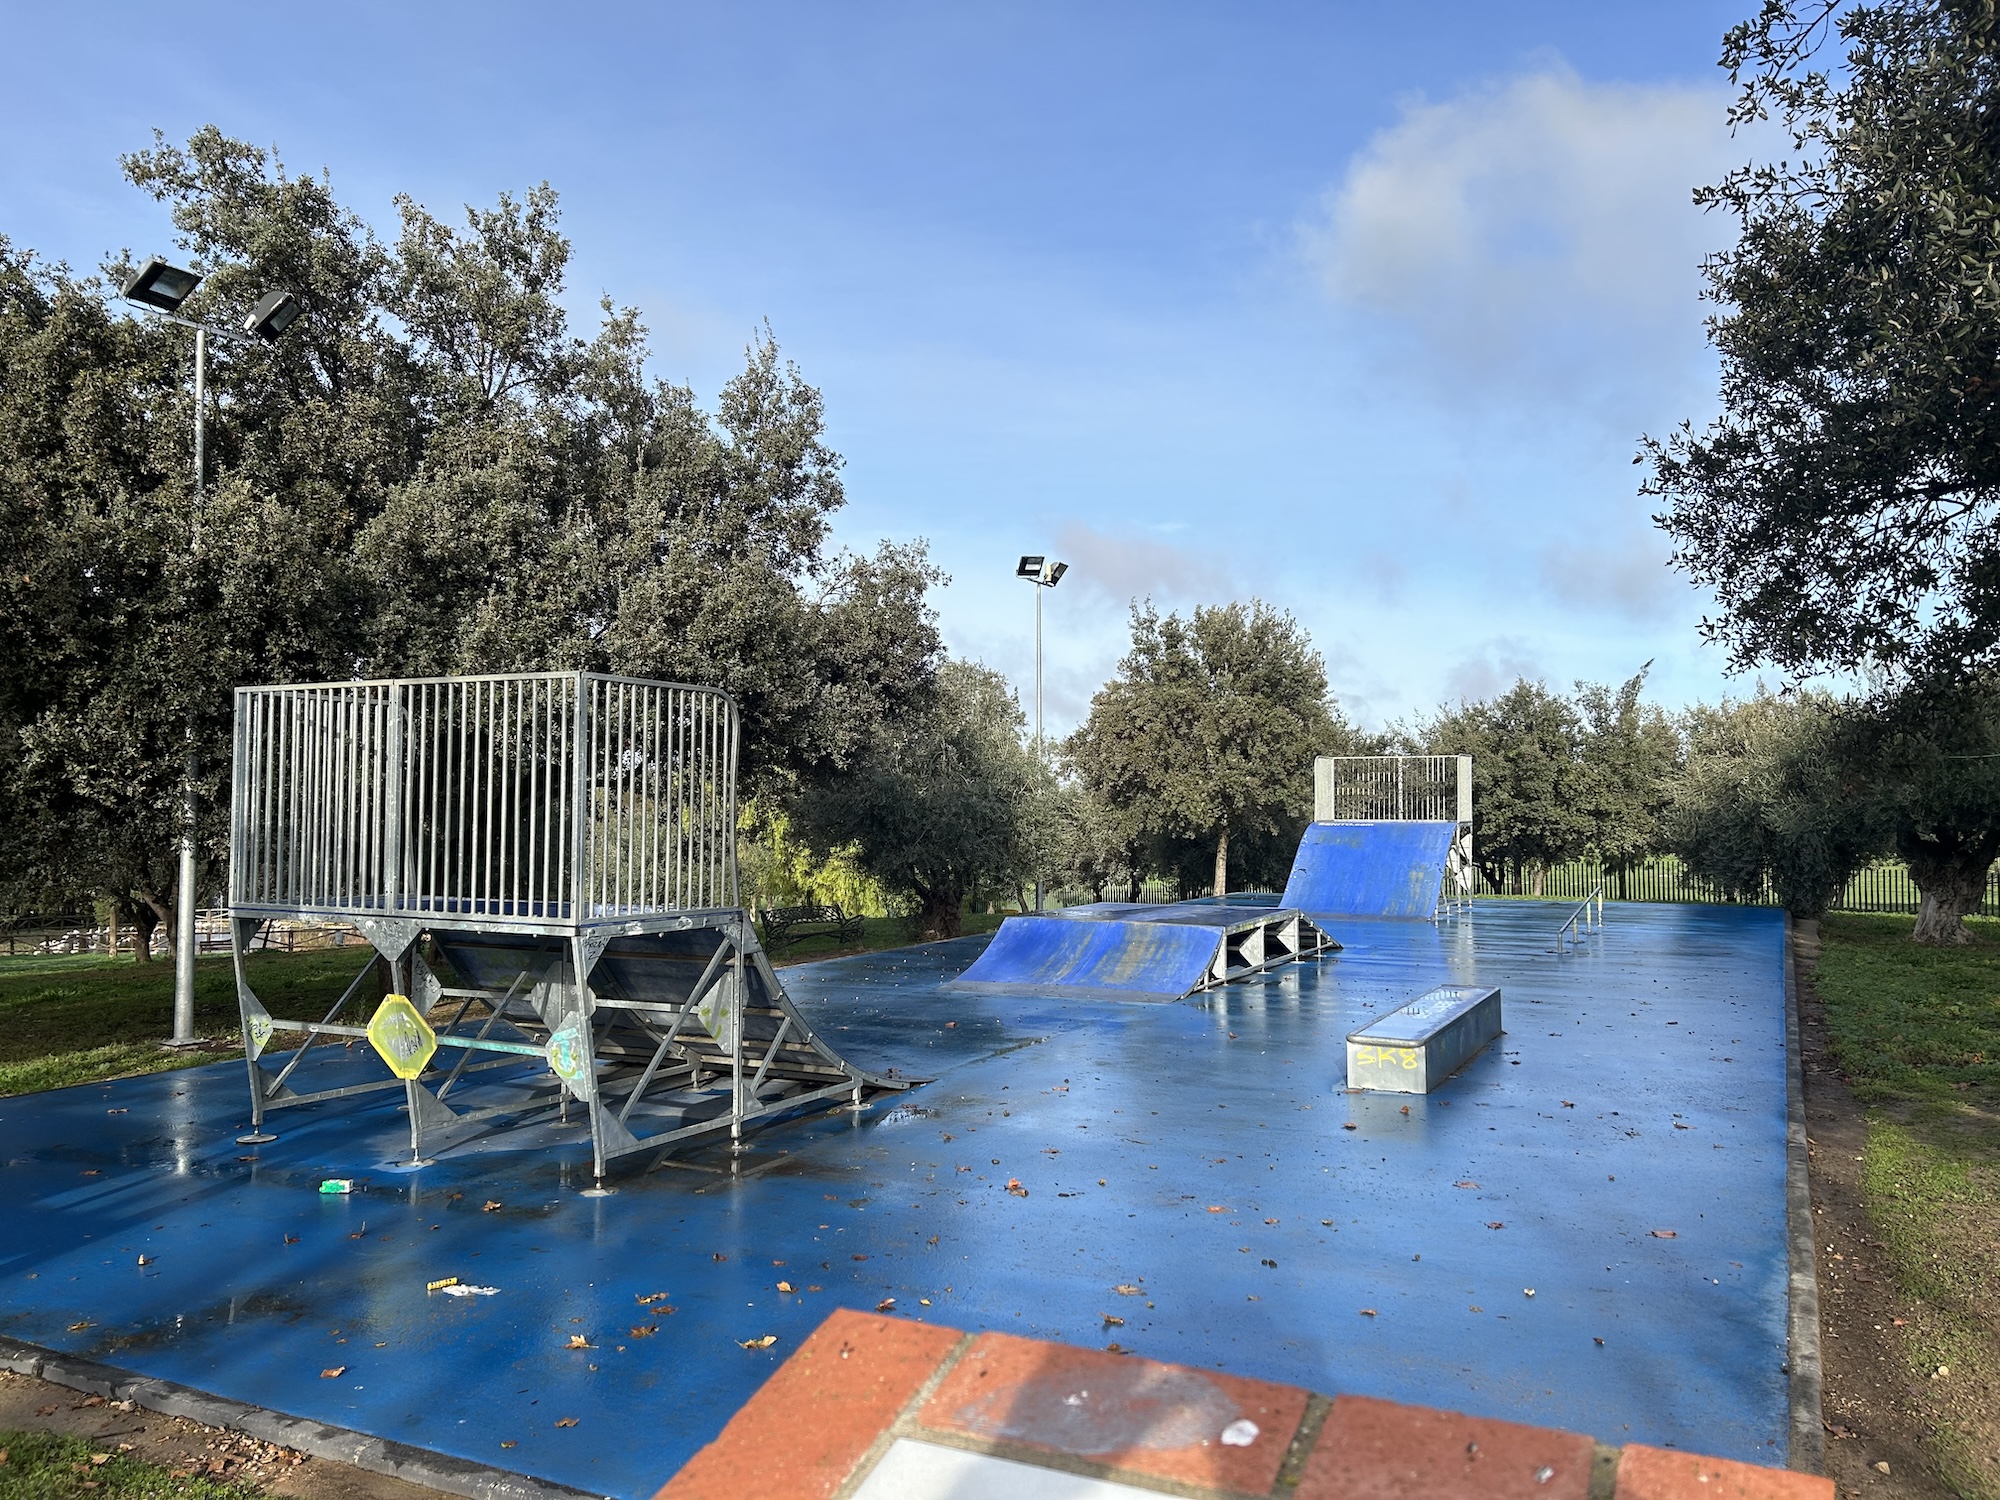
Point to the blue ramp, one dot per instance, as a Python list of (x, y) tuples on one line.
[(1370, 869), (1085, 959)]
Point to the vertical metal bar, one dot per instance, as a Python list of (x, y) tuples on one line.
[(577, 791)]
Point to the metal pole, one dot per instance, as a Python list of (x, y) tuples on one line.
[(1038, 709), (184, 936)]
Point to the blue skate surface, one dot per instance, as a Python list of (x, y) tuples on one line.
[(1182, 1148), (1369, 869), (1110, 950)]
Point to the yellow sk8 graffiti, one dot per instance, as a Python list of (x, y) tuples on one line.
[(1387, 1057)]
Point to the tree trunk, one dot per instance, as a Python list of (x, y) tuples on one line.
[(111, 927), (938, 913), (1950, 871), (143, 923), (163, 918), (1623, 871), (1541, 875), (1222, 863)]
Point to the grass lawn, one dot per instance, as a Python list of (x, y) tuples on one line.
[(1916, 1031), (49, 1466), (78, 1019)]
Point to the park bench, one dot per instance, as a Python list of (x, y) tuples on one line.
[(785, 926)]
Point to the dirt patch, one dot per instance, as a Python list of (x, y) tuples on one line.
[(1882, 1345), (188, 1448)]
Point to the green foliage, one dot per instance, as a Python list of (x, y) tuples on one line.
[(933, 806), (1531, 796), (1769, 792), (430, 472), (1208, 735), (50, 1466), (1841, 507), (779, 869), (1628, 750), (1931, 751)]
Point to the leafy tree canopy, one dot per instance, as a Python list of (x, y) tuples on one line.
[(1210, 728), (1843, 506), (429, 472)]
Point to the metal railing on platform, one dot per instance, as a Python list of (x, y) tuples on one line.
[(1582, 920)]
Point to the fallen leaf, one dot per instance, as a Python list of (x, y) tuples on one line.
[(1679, 1126), (933, 1240), (764, 1343), (924, 1301), (1899, 1322), (578, 1341), (1465, 1184), (1569, 1104), (810, 1289), (565, 1421), (491, 1206), (644, 1331), (857, 1257), (886, 1304), (333, 1374), (291, 1239), (1496, 1224), (145, 1260), (1665, 1234), (1404, 1110), (1270, 1221), (508, 1442), (719, 1256), (79, 1326), (1367, 1312), (1014, 1187), (1114, 1348), (1126, 1289), (1597, 1341), (99, 1458), (1527, 1291), (1350, 1125), (1217, 1208), (118, 1111), (784, 1286)]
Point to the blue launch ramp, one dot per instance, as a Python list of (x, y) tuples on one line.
[(1380, 869), (1120, 951)]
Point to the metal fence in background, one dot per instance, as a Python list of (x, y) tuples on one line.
[(1883, 886)]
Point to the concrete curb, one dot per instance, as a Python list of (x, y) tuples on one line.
[(438, 1471), (1807, 1450)]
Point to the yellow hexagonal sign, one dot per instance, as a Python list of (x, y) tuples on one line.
[(400, 1034)]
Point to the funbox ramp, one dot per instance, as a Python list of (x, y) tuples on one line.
[(1119, 951), (1383, 869)]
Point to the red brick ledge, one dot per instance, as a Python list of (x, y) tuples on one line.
[(861, 1381)]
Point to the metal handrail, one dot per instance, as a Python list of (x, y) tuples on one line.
[(1580, 920)]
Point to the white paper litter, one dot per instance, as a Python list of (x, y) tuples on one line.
[(469, 1291)]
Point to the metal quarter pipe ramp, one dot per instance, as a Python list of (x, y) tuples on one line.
[(1371, 869), (1120, 951)]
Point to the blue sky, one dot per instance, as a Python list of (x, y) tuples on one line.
[(1357, 308)]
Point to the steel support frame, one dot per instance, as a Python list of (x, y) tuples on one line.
[(574, 954)]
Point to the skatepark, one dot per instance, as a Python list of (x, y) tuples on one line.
[(1110, 1126)]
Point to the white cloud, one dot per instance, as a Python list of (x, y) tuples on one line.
[(1631, 577), (1490, 669), (1538, 227), (1126, 566)]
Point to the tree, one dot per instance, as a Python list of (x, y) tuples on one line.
[(933, 805), (1842, 508), (1210, 728), (1771, 791), (430, 472), (1530, 795), (1931, 749), (1627, 751)]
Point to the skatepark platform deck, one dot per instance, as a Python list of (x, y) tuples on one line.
[(1117, 950), (1236, 1226)]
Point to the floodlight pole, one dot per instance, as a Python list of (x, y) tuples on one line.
[(184, 910), (1043, 573)]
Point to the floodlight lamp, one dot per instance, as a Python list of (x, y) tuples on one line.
[(273, 314), (1056, 571), (159, 284), (1029, 567)]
